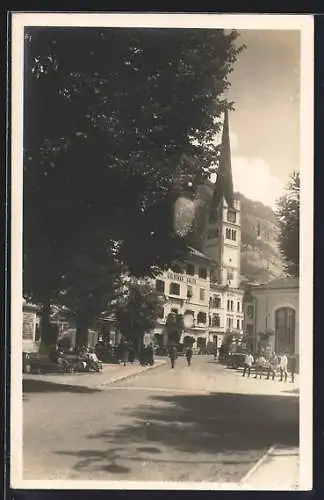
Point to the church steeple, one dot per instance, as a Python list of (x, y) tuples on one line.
[(224, 181), (222, 239)]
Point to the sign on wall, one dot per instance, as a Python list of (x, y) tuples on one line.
[(29, 323)]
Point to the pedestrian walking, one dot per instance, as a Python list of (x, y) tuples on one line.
[(259, 366), (293, 368), (273, 366), (173, 355), (189, 354), (248, 362), (125, 354), (283, 368)]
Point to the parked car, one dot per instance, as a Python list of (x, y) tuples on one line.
[(236, 360)]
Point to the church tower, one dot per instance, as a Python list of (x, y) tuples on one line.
[(222, 236)]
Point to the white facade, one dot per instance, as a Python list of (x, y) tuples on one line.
[(207, 286), (272, 315), (186, 291), (222, 243)]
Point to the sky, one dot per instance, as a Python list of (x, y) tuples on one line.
[(264, 128)]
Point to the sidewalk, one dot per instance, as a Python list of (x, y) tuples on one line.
[(250, 385), (278, 469), (110, 373)]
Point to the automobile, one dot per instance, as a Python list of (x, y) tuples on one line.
[(236, 360)]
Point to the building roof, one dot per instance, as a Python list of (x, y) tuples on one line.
[(279, 283), (197, 253)]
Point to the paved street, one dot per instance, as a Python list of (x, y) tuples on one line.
[(198, 423)]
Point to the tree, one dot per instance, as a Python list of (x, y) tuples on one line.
[(112, 118), (288, 220), (174, 326), (91, 284), (138, 312)]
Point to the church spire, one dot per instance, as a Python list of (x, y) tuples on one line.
[(224, 181)]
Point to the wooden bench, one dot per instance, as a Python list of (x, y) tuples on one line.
[(40, 363)]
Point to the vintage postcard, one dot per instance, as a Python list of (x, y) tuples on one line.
[(162, 255)]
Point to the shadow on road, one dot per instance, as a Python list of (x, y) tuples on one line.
[(232, 428), (42, 386)]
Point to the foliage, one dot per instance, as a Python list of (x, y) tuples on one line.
[(288, 219), (138, 311), (115, 123), (174, 326)]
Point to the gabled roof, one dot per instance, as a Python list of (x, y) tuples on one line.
[(197, 253)]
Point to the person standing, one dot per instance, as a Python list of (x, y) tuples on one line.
[(248, 362), (293, 368), (260, 363), (125, 353), (173, 355), (283, 368), (189, 355), (273, 366)]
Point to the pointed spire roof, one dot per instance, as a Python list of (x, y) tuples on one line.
[(224, 182)]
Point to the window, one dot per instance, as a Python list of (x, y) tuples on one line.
[(230, 275), (202, 273), (189, 292), (174, 289), (238, 307), (230, 234), (228, 305), (231, 216), (216, 320), (160, 286), (174, 310), (285, 330), (202, 294), (250, 311), (190, 269), (216, 302), (249, 329), (242, 324), (232, 304), (229, 322), (201, 318), (238, 324)]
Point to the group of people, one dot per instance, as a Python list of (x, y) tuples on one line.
[(83, 359), (173, 354), (270, 367)]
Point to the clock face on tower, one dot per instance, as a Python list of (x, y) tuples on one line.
[(231, 216)]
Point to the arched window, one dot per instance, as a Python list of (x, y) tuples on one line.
[(285, 330), (216, 320), (202, 318)]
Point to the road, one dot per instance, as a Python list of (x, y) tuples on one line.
[(198, 423)]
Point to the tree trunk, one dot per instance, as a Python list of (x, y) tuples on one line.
[(82, 330), (48, 334)]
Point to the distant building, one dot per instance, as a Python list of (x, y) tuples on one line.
[(186, 289), (272, 315), (30, 328)]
